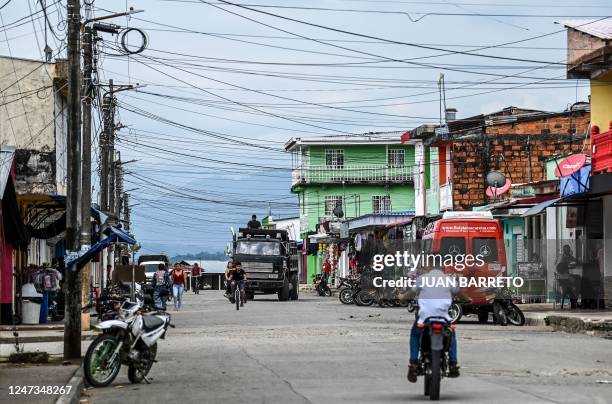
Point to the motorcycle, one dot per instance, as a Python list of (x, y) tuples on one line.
[(321, 287), (345, 290), (130, 340), (500, 303), (433, 358)]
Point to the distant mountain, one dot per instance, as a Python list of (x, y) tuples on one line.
[(204, 256)]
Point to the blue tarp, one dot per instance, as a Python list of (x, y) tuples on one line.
[(114, 235)]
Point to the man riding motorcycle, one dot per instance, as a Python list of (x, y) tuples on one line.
[(433, 301)]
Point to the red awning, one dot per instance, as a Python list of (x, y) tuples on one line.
[(399, 223)]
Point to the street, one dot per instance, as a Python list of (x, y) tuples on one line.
[(317, 350)]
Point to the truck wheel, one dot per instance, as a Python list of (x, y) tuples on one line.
[(283, 292), (294, 294)]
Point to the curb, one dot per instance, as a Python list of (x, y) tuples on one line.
[(77, 384), (45, 338), (535, 319)]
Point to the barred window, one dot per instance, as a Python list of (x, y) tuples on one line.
[(331, 201), (334, 158), (381, 203), (396, 157)]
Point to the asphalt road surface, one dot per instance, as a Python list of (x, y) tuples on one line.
[(317, 350)]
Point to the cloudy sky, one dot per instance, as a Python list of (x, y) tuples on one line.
[(223, 88)]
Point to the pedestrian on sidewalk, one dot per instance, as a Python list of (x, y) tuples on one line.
[(161, 287), (178, 287), (196, 273)]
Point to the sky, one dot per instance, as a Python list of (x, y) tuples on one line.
[(221, 88)]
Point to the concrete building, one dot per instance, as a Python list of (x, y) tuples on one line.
[(358, 174)]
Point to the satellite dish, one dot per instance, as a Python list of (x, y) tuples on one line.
[(494, 192), (338, 212), (495, 179)]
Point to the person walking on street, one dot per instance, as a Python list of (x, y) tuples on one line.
[(228, 270), (178, 287), (196, 273), (161, 287)]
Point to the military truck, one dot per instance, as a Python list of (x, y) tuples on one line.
[(270, 261)]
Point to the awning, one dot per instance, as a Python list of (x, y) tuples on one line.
[(114, 236), (540, 207), (535, 209)]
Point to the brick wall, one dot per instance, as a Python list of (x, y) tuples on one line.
[(518, 150)]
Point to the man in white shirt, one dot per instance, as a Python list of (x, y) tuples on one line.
[(434, 290)]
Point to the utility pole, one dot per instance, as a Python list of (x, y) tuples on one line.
[(88, 91), (108, 118), (72, 326), (126, 211)]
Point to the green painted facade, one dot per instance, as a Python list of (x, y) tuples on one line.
[(356, 192)]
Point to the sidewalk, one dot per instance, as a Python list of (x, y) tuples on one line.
[(48, 378), (574, 321)]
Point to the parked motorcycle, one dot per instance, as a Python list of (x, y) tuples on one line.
[(433, 358), (497, 301), (130, 340), (345, 290), (321, 287)]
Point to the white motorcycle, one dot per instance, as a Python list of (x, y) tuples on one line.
[(130, 340)]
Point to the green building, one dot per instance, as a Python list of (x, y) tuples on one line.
[(360, 174)]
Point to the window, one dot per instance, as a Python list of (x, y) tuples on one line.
[(258, 248), (395, 157), (331, 201), (381, 203), (452, 246), (487, 247), (334, 158)]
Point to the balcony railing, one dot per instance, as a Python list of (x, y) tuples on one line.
[(355, 174)]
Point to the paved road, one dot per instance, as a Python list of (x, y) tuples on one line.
[(317, 350)]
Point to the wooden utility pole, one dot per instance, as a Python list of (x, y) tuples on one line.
[(72, 326)]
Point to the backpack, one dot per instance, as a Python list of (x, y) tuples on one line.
[(160, 278)]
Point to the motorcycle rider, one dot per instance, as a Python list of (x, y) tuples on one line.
[(433, 301), (238, 277)]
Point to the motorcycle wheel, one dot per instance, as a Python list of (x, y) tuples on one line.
[(136, 374), (346, 296), (455, 312), (327, 292), (515, 315), (499, 313), (237, 298), (427, 381), (411, 306), (434, 389), (364, 298), (97, 372)]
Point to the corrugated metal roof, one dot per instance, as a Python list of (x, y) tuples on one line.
[(599, 28)]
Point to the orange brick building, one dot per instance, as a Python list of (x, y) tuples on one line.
[(514, 141)]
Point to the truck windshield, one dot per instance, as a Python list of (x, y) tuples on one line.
[(150, 268), (258, 247)]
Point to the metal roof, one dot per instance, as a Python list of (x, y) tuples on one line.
[(598, 28), (346, 140)]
